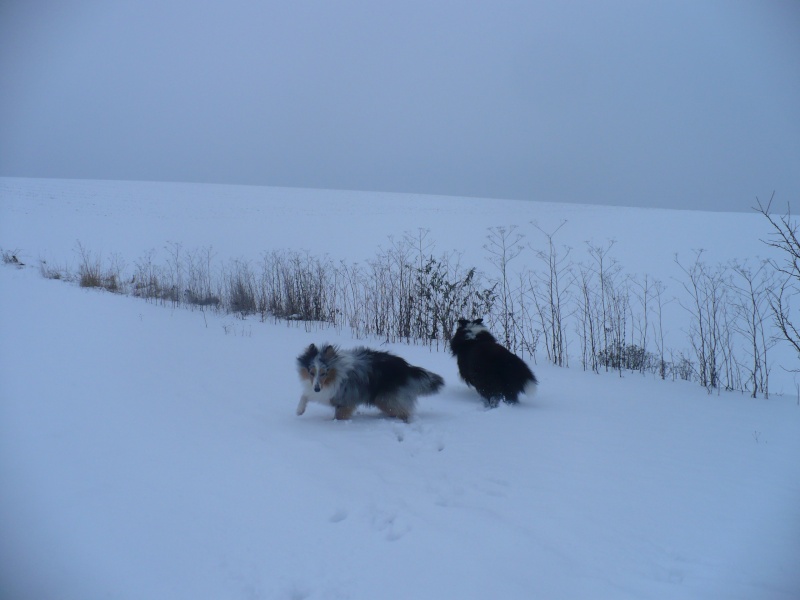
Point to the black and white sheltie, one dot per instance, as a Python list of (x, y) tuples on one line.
[(491, 369), (346, 379)]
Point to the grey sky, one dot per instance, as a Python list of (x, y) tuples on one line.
[(674, 103)]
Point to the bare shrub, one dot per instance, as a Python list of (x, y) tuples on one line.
[(200, 289), (51, 271), (784, 237), (296, 286), (240, 289), (706, 288), (446, 292), (503, 245), (10, 257), (550, 292), (92, 273), (150, 282)]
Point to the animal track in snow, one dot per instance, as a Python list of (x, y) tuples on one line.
[(497, 488), (419, 437), (388, 522), (338, 516)]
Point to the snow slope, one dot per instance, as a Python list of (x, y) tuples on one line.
[(154, 453), (46, 217)]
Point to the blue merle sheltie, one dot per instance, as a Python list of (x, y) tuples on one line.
[(483, 363), (346, 379)]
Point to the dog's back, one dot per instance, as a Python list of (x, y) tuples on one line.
[(390, 374), (388, 382)]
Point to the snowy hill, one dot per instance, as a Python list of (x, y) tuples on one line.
[(151, 452)]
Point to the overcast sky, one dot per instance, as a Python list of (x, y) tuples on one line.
[(674, 103)]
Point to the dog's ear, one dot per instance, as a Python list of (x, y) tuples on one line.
[(462, 322), (328, 352), (306, 357), (479, 321)]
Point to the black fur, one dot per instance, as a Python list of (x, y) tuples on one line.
[(495, 372)]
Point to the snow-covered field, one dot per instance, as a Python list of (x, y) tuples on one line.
[(154, 453)]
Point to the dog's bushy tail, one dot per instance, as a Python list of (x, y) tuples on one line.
[(425, 382), (530, 387)]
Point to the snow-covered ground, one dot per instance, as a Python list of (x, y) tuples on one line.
[(154, 453), (47, 217)]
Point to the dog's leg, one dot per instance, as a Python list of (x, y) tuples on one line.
[(343, 413), (403, 414), (394, 408), (492, 400), (301, 408)]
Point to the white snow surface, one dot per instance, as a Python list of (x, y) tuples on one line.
[(154, 453)]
